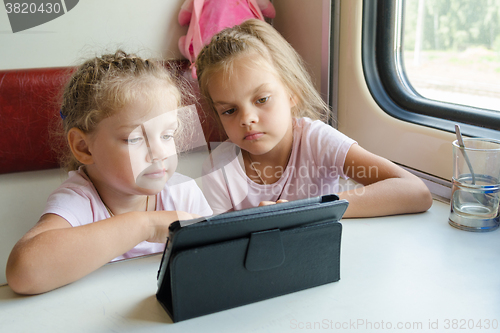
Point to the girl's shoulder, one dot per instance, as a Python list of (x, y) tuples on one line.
[(76, 200), (77, 182), (307, 123), (307, 126), (316, 131)]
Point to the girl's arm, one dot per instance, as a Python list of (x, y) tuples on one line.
[(388, 189), (53, 253)]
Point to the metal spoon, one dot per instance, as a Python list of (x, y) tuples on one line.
[(462, 149)]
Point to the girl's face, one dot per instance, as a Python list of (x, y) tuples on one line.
[(134, 149), (254, 107)]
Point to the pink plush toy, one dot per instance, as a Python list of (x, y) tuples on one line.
[(207, 17)]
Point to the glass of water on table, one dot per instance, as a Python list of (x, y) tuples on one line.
[(475, 194)]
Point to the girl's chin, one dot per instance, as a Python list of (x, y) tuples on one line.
[(260, 147), (152, 183), (257, 150)]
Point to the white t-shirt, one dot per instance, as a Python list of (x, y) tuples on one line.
[(78, 202), (314, 168)]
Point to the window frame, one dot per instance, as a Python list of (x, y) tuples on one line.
[(389, 86)]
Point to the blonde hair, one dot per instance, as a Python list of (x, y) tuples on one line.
[(103, 85), (257, 37)]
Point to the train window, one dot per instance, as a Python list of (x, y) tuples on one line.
[(451, 50), (435, 62)]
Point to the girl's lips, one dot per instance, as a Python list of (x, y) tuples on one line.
[(156, 173), (253, 135)]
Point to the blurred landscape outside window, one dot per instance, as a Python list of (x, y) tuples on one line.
[(451, 50)]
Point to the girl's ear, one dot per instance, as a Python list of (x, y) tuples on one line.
[(78, 142), (293, 100)]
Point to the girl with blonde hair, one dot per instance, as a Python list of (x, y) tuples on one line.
[(279, 146), (122, 121)]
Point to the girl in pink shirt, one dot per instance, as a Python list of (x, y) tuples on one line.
[(279, 148), (121, 121)]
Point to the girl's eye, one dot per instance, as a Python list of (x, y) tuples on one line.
[(134, 141), (262, 100), (230, 111), (167, 137)]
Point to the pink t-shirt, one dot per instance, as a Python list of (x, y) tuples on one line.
[(78, 202), (314, 168)]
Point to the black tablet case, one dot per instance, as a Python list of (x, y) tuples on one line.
[(250, 255)]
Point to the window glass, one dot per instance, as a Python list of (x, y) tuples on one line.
[(451, 50)]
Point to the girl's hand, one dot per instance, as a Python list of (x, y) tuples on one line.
[(267, 203), (161, 220)]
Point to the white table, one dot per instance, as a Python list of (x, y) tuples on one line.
[(412, 272)]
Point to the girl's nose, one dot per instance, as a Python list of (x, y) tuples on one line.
[(159, 151), (248, 116)]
